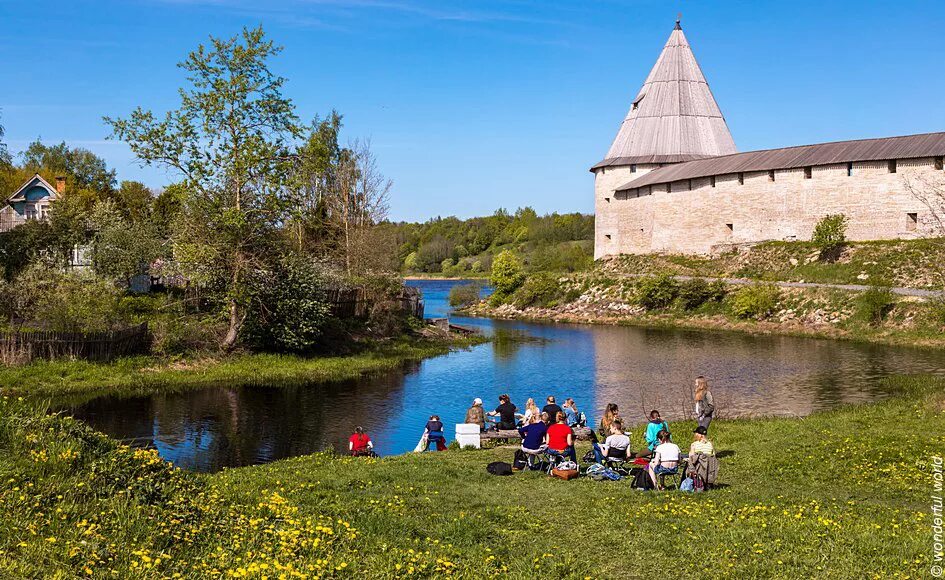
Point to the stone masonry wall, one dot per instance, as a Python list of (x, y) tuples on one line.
[(877, 203), (606, 180)]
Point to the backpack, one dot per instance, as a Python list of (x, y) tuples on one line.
[(698, 484), (499, 468), (641, 479), (520, 461)]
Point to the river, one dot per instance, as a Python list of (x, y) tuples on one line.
[(637, 368)]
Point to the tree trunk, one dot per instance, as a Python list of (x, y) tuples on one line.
[(232, 333), (229, 341)]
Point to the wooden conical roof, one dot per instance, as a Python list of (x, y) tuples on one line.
[(674, 117)]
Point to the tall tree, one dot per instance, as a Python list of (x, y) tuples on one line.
[(230, 143), (5, 160), (358, 203), (313, 182)]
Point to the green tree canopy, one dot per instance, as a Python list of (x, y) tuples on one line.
[(230, 141)]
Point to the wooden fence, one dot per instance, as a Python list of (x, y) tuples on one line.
[(356, 302), (20, 347)]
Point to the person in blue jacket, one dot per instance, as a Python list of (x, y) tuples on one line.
[(653, 428)]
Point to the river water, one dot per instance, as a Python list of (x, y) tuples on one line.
[(637, 368)]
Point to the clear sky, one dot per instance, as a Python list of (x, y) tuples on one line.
[(473, 106)]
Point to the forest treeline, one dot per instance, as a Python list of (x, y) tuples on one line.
[(454, 247)]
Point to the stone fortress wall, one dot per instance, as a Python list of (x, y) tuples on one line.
[(710, 214)]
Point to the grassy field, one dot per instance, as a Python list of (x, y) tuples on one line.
[(146, 375), (840, 494)]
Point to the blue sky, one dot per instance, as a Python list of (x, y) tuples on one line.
[(472, 106)]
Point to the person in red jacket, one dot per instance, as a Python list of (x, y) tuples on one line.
[(359, 443), (560, 437)]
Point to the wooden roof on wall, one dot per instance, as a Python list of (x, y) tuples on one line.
[(887, 148), (674, 117)]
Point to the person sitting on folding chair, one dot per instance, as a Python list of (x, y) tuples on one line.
[(615, 447), (665, 459), (434, 433), (560, 439), (533, 440)]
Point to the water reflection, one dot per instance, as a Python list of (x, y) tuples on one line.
[(209, 429), (637, 368)]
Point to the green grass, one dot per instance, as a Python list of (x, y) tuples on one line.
[(144, 375), (839, 494), (906, 263)]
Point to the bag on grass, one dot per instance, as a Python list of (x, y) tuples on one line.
[(698, 484), (686, 485), (641, 479), (589, 457), (520, 461), (564, 474), (499, 468)]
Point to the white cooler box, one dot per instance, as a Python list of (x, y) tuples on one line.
[(467, 435)]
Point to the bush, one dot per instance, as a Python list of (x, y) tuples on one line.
[(289, 310), (830, 235), (695, 292), (874, 304), (412, 262), (183, 334), (465, 294), (540, 289), (655, 292), (937, 312), (507, 273), (756, 301), (65, 302)]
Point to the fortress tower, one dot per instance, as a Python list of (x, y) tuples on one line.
[(673, 182), (673, 118)]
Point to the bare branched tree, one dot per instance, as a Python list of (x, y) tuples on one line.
[(929, 189), (359, 203)]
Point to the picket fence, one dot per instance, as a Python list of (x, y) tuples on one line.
[(23, 346)]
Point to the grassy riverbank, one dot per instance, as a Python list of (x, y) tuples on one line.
[(906, 263), (875, 315), (836, 495), (146, 375)]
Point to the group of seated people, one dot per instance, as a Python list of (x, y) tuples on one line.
[(540, 436), (507, 418)]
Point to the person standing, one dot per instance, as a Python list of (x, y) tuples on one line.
[(476, 414), (705, 405)]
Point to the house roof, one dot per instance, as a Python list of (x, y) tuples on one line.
[(674, 117), (887, 148), (37, 179)]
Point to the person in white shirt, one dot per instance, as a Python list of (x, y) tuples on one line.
[(665, 458), (616, 445)]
